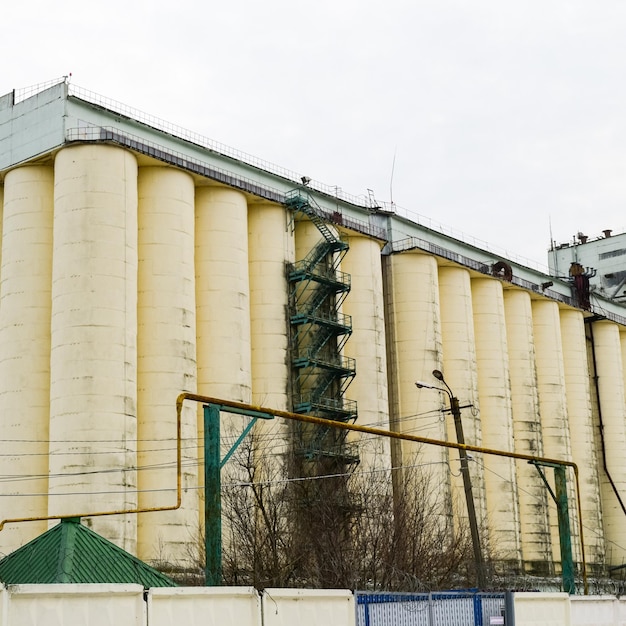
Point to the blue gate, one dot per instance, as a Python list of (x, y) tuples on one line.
[(450, 608)]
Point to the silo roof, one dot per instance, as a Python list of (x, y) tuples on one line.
[(72, 553)]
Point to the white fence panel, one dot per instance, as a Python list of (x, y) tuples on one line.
[(621, 613), (4, 606), (598, 611), (125, 605), (204, 606), (304, 607), (542, 609), (87, 605), (594, 611)]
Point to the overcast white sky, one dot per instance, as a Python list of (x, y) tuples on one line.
[(502, 116)]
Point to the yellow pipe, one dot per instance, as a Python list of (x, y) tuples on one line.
[(395, 435), (126, 511), (343, 426)]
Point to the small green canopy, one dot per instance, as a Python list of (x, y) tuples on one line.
[(72, 553)]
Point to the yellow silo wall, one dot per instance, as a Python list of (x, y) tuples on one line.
[(166, 340), (553, 406), (1, 213), (459, 369), (415, 353), (25, 284), (581, 428), (222, 294), (366, 345), (532, 494), (610, 381), (93, 338), (307, 236), (494, 395), (270, 247), (222, 309)]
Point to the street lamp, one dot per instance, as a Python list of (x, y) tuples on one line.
[(455, 409)]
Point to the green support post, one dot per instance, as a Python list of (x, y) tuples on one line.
[(565, 536), (213, 484), (212, 496)]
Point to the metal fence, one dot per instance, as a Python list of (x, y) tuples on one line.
[(462, 608)]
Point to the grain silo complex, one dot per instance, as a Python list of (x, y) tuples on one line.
[(140, 260)]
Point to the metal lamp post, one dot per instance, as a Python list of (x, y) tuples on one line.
[(455, 409)]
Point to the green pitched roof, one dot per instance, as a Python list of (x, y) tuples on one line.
[(72, 553)]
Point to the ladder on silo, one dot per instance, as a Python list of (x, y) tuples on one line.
[(319, 331)]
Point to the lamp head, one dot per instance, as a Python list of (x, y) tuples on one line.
[(421, 385), (438, 375)]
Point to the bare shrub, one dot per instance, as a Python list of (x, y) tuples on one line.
[(310, 523)]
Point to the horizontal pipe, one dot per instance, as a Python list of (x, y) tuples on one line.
[(124, 511), (241, 406)]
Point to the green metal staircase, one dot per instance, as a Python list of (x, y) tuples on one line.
[(319, 331)]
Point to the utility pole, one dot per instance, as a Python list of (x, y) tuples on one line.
[(469, 496), (455, 409)]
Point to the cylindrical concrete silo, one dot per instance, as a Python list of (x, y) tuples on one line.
[(270, 247), (610, 381), (222, 306), (415, 352), (365, 305), (1, 213), (26, 278), (222, 294), (577, 391), (94, 326), (553, 406), (533, 496), (494, 394), (459, 368), (307, 236), (166, 365)]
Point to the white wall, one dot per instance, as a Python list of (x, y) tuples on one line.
[(598, 611), (547, 609), (59, 605), (323, 607), (199, 606), (124, 605)]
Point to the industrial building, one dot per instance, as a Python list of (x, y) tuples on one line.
[(140, 260), (601, 257)]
